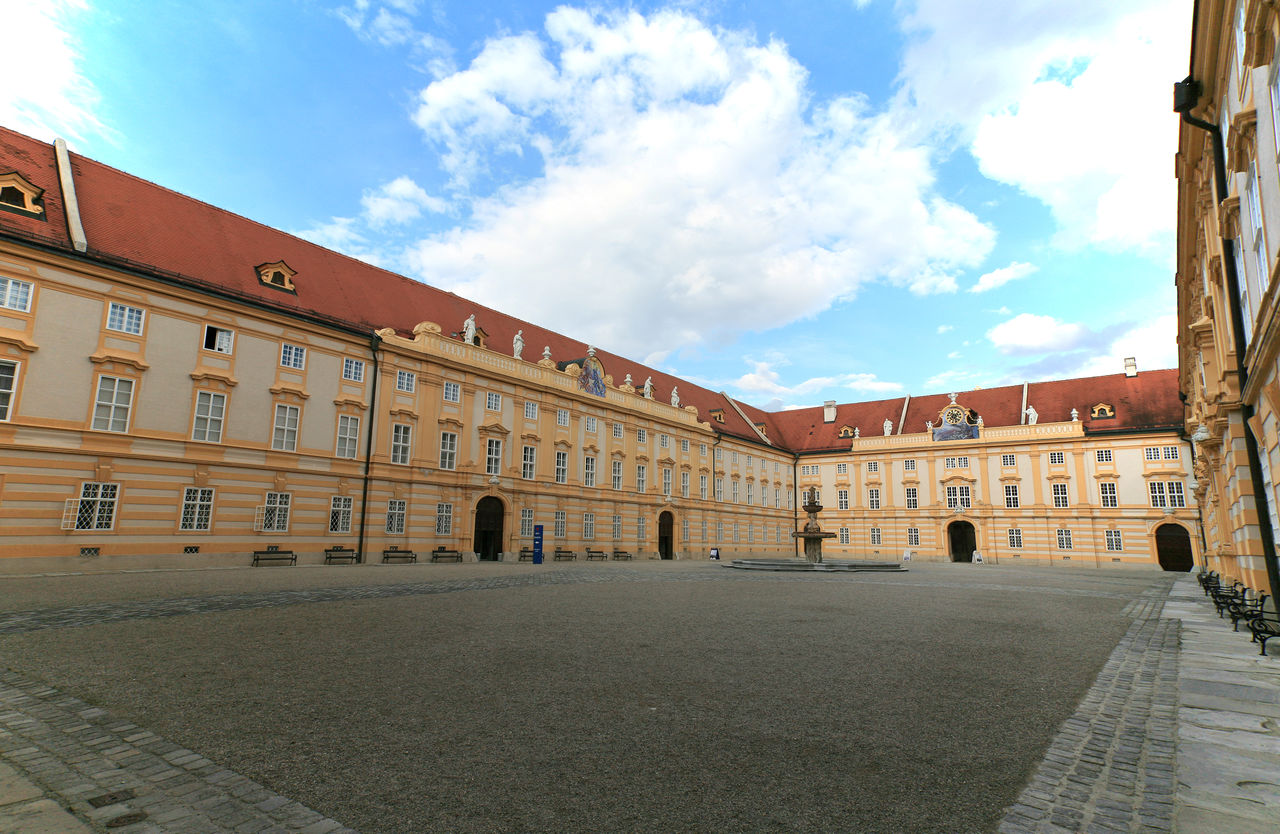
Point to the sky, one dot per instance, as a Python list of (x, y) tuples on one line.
[(791, 202)]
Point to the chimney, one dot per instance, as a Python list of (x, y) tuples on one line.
[(1130, 366), (829, 411)]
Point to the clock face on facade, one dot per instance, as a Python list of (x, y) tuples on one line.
[(953, 415)]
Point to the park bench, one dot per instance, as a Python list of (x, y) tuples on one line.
[(1264, 627), (340, 553), (273, 553), (440, 554), (526, 554), (621, 554), (1246, 609), (1222, 597), (1208, 580), (562, 554), (397, 553), (596, 554)]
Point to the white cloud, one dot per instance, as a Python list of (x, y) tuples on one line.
[(690, 171), (1154, 343), (1029, 333), (399, 201), (1003, 275), (1001, 311), (56, 98), (764, 380), (943, 328), (954, 380)]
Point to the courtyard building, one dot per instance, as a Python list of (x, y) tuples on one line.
[(181, 385)]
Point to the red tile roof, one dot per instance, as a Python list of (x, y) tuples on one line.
[(131, 222)]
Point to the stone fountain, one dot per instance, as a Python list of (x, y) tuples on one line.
[(812, 536)]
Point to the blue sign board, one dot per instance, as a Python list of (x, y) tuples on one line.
[(537, 544)]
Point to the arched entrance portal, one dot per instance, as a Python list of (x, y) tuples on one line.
[(1173, 547), (488, 538), (963, 540), (666, 535)]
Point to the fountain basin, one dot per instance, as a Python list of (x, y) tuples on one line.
[(827, 565)]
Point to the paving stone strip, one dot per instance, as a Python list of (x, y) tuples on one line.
[(113, 775)]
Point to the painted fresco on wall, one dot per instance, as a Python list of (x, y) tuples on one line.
[(957, 423), (591, 379), (956, 431)]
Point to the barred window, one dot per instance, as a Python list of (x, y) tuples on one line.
[(396, 511), (348, 435), (1113, 540), (444, 519), (1108, 494), (112, 404), (340, 514), (913, 498), (1015, 538), (274, 517), (197, 508), (1064, 539), (913, 536), (1059, 495)]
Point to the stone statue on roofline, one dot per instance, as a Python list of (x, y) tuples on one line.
[(857, 432), (546, 352), (1032, 415), (469, 329), (1075, 416), (888, 427), (928, 425), (675, 396), (517, 344), (648, 388)]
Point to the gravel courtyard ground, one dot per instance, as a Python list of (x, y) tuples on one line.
[(605, 697)]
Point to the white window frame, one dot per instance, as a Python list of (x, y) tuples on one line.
[(492, 401), (842, 499), (15, 295), (872, 466), (352, 369), (702, 487), (347, 443), (1057, 458), (562, 417), (1064, 539), (684, 484), (875, 535), (617, 474), (1008, 460), (223, 339), (1011, 500), (617, 431), (448, 450), (1060, 498), (588, 471), (561, 524), (406, 381), (397, 511), (529, 463), (1169, 453), (588, 526), (340, 507), (125, 318), (913, 498), (909, 465), (562, 467), (530, 410), (873, 498), (444, 519), (526, 523), (197, 509), (666, 482), (493, 456), (451, 392), (1015, 538), (1107, 496), (8, 387), (1156, 491), (617, 528), (844, 535), (113, 412), (913, 537), (1151, 453), (642, 435), (664, 441), (1103, 455), (401, 443), (1177, 498), (642, 477), (293, 356), (1115, 543), (273, 515), (210, 412)]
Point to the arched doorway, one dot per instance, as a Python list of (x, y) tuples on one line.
[(1173, 547), (963, 540), (488, 538), (666, 535)]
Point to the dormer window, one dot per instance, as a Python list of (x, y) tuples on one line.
[(1102, 411), (717, 414), (20, 196), (277, 275), (845, 431)]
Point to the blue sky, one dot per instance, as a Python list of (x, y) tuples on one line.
[(793, 202)]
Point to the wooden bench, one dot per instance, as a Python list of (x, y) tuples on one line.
[(621, 554), (442, 555), (596, 554), (397, 553), (274, 554), (340, 553), (526, 554), (562, 555)]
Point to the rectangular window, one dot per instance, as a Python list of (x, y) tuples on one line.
[(452, 392), (1015, 538), (913, 498), (493, 401), (873, 499), (843, 468), (562, 416), (1104, 455), (1170, 452), (735, 457), (1011, 496), (8, 384), (340, 514), (872, 466), (666, 482), (1059, 495), (274, 517), (617, 430), (735, 531), (444, 519), (844, 535), (529, 462), (842, 499), (396, 511), (293, 356), (590, 424), (909, 465), (589, 471), (1113, 540), (617, 474), (210, 410), (1157, 494), (640, 528), (957, 496), (448, 450), (352, 369), (642, 435), (617, 528), (875, 535), (702, 487), (735, 490), (348, 436), (719, 531), (197, 509), (684, 529), (526, 523), (1151, 453), (1008, 460), (530, 411), (949, 463), (641, 475), (1108, 494), (560, 524), (1057, 457), (719, 489), (218, 339), (492, 456), (684, 484), (562, 467), (1064, 539), (751, 498), (588, 525), (111, 406), (719, 455), (406, 381), (15, 294), (913, 536), (123, 318), (401, 443), (684, 445), (664, 441), (284, 436), (1176, 498), (702, 450)]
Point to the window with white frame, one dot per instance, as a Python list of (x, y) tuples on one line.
[(684, 484), (1169, 452), (590, 424), (1011, 496), (735, 531), (529, 462), (909, 465), (1103, 455), (617, 474), (588, 525), (1113, 540), (875, 535), (284, 435), (719, 489), (348, 436), (1057, 457), (493, 401), (1158, 498), (642, 435), (218, 339), (617, 431), (872, 466), (913, 498), (560, 524), (1176, 497), (734, 483), (843, 468), (352, 369), (273, 515), (397, 509), (642, 473), (526, 523), (492, 456), (751, 489), (589, 471), (1015, 538), (957, 496), (406, 381), (1059, 495), (1256, 234), (15, 294), (666, 482), (702, 487), (702, 450), (211, 408), (719, 531), (1008, 460), (401, 443), (873, 498), (735, 457), (197, 509), (562, 416), (452, 392), (530, 410), (1107, 494), (719, 455), (1151, 453), (562, 467), (913, 536), (8, 385), (293, 356), (664, 441), (617, 527), (684, 445), (844, 535), (641, 530), (749, 462), (842, 499), (340, 514), (124, 319), (448, 450), (444, 519), (112, 403), (1064, 539), (684, 529)]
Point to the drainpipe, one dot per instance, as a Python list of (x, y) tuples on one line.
[(719, 437), (1186, 94), (795, 503), (374, 341)]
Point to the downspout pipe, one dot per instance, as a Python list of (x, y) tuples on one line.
[(374, 341), (795, 503), (1186, 94)]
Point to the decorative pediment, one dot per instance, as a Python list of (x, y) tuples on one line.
[(207, 375), (956, 421), (563, 444), (278, 275), (404, 413), (20, 196), (450, 422), (292, 389), (108, 356), (532, 437), (1242, 139), (494, 428), (351, 402)]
